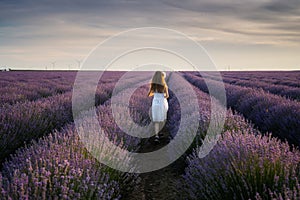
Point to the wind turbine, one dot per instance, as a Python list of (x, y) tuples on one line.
[(53, 65), (79, 62)]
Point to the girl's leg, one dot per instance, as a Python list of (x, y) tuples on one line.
[(156, 127), (161, 124)]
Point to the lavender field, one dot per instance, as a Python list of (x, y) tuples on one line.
[(256, 157)]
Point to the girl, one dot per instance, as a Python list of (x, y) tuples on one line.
[(159, 89)]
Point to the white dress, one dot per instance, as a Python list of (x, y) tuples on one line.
[(159, 107)]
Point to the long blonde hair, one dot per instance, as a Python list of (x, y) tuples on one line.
[(158, 84)]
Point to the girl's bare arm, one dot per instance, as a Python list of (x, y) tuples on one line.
[(150, 93), (166, 92)]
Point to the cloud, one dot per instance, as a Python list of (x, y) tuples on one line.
[(57, 28), (249, 17), (287, 7)]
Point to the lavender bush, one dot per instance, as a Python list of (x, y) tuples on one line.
[(244, 165), (23, 122), (58, 167)]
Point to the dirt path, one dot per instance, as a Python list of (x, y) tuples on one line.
[(160, 184)]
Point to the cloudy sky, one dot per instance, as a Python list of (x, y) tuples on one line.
[(245, 35)]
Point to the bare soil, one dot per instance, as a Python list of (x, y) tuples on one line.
[(161, 184)]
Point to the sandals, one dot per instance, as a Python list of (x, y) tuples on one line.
[(156, 138)]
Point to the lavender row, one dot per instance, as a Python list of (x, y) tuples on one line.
[(59, 167), (128, 115), (18, 77), (28, 86), (277, 78), (22, 122), (244, 165), (270, 113), (289, 79), (282, 90)]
